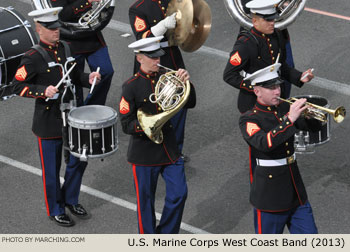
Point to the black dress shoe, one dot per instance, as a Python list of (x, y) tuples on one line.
[(78, 210), (62, 220)]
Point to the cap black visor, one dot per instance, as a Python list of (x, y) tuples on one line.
[(51, 25), (270, 17), (269, 83), (154, 54)]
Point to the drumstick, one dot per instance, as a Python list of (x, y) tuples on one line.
[(94, 82), (306, 75), (63, 78)]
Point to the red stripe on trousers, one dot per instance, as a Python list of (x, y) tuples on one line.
[(138, 199), (43, 174), (258, 212)]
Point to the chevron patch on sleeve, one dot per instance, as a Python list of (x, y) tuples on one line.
[(139, 24), (235, 59), (252, 128), (124, 107), (21, 73)]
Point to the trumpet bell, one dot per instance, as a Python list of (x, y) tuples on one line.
[(339, 114)]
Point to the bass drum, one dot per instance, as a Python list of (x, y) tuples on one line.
[(306, 141), (16, 37)]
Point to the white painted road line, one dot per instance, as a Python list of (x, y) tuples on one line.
[(96, 193)]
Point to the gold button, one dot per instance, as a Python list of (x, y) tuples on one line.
[(87, 3), (138, 127), (274, 131), (281, 119), (147, 76), (243, 85), (47, 108), (250, 87), (254, 111), (263, 35), (55, 52), (281, 127), (48, 70), (163, 8), (259, 57), (270, 176), (76, 8), (268, 108), (59, 59), (273, 58), (30, 92), (288, 151), (271, 51), (153, 81), (275, 112), (159, 2), (287, 123), (268, 39), (81, 6), (145, 100), (286, 143), (155, 21), (50, 47), (42, 93), (135, 74), (36, 93), (270, 45), (159, 108)]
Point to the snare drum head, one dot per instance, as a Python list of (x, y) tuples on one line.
[(16, 37), (92, 116)]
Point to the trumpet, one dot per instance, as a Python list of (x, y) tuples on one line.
[(318, 112)]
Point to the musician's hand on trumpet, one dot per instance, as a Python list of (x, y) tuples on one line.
[(296, 109), (307, 75)]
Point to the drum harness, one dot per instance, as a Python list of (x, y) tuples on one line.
[(64, 106)]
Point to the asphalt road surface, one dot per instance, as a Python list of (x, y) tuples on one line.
[(217, 173)]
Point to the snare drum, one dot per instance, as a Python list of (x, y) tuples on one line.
[(92, 131), (305, 141), (16, 37)]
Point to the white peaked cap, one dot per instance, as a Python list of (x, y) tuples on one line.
[(264, 75), (45, 15), (264, 7)]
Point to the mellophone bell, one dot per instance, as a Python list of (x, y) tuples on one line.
[(306, 141)]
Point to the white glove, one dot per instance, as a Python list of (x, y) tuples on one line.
[(167, 23)]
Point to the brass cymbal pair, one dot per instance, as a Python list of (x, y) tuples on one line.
[(193, 24)]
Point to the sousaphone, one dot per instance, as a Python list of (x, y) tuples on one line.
[(193, 24)]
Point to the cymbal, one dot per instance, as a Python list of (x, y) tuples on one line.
[(200, 29), (184, 18)]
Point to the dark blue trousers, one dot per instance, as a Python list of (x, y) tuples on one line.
[(145, 180), (56, 196), (179, 121), (101, 59), (299, 220)]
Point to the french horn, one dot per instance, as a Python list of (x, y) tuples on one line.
[(288, 10), (171, 94), (93, 20)]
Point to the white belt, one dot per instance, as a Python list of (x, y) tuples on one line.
[(164, 44), (276, 162)]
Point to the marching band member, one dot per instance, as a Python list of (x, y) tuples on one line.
[(92, 48), (257, 49), (277, 191), (148, 19), (36, 79), (148, 159)]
